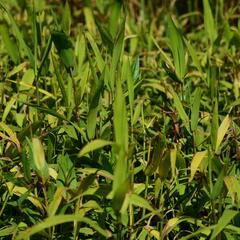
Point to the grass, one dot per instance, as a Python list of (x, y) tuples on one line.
[(119, 120)]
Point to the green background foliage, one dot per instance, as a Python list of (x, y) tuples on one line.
[(119, 119)]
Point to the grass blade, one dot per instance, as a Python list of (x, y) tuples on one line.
[(224, 220), (222, 130), (18, 35), (209, 21), (60, 219), (10, 45), (158, 152), (195, 109), (94, 145), (177, 47), (181, 111)]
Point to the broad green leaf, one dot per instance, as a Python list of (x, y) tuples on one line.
[(195, 109), (121, 136), (71, 132), (27, 80), (222, 130), (60, 219), (138, 201), (66, 174), (209, 21), (94, 145), (197, 159), (223, 221), (65, 48), (177, 47), (10, 44), (158, 152)]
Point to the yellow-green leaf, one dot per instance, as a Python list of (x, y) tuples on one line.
[(12, 136), (197, 158), (94, 145), (222, 131)]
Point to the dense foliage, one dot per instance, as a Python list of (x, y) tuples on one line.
[(119, 119)]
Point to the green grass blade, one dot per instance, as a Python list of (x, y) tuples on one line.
[(117, 50), (60, 219), (10, 44), (195, 109), (94, 145), (193, 55), (18, 34), (209, 21), (60, 81), (94, 99), (224, 220), (99, 59), (177, 47), (179, 107), (214, 125), (66, 18), (114, 17), (121, 137)]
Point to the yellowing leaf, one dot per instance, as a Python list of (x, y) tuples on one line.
[(233, 186), (169, 226), (39, 159), (12, 136), (222, 131), (57, 198), (22, 190), (197, 158)]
